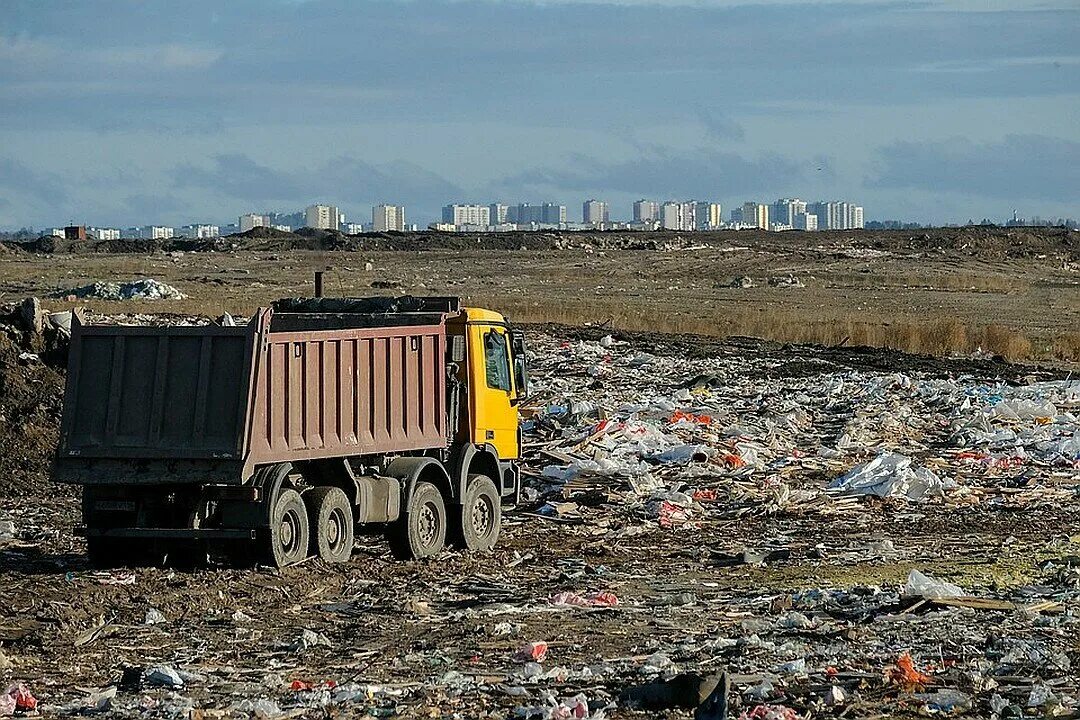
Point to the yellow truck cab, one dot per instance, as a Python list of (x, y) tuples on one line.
[(274, 440), (494, 379)]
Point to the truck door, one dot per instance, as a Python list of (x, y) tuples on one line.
[(495, 419)]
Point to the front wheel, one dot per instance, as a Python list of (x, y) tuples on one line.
[(421, 533), (287, 537), (478, 524)]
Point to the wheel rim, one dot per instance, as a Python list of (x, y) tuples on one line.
[(290, 532), (428, 525), (336, 530), (482, 516)]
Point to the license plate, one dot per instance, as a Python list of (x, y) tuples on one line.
[(121, 505)]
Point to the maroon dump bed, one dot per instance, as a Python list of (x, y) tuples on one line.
[(255, 393), (332, 393)]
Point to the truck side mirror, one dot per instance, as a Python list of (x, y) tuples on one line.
[(521, 367)]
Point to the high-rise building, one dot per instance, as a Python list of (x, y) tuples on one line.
[(323, 217), (552, 214), (524, 214), (677, 215), (388, 217), (756, 214), (804, 221), (837, 215), (251, 220), (646, 211), (594, 212), (784, 210), (159, 232), (201, 232), (498, 213), (467, 215), (855, 217), (708, 215)]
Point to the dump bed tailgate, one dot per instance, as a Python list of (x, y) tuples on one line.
[(157, 392)]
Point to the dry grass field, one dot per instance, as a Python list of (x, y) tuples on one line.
[(822, 288)]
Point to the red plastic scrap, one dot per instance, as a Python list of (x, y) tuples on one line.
[(672, 515), (704, 495), (24, 700), (535, 651), (732, 459), (690, 417), (300, 685), (769, 712), (905, 675), (600, 599)]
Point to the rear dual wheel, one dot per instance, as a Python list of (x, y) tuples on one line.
[(331, 518), (318, 523), (288, 534)]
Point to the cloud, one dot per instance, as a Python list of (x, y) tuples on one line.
[(240, 177), (36, 186), (150, 205), (720, 126), (1017, 166), (706, 173), (170, 56), (344, 180)]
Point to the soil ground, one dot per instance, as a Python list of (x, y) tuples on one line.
[(438, 639)]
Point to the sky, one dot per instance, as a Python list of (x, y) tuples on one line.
[(116, 113)]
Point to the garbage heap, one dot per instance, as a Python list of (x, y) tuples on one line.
[(678, 440), (708, 529)]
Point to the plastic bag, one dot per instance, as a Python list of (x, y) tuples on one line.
[(921, 585)]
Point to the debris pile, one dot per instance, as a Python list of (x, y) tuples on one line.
[(145, 289)]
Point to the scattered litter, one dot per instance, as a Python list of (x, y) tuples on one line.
[(165, 676), (154, 617)]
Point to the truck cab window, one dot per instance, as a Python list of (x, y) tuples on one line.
[(496, 361)]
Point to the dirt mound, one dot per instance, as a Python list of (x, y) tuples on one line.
[(31, 397), (985, 242)]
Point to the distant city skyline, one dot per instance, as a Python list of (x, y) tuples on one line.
[(118, 112), (687, 215)]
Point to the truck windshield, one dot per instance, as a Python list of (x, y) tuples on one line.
[(496, 360)]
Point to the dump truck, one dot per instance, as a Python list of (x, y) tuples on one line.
[(280, 439)]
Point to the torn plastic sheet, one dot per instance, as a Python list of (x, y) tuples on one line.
[(891, 475), (921, 585)]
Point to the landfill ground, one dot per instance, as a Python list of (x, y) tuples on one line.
[(678, 521)]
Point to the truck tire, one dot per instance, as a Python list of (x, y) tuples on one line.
[(421, 532), (287, 537), (477, 526), (330, 517)]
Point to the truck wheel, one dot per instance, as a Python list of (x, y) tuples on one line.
[(477, 526), (421, 532), (331, 519), (288, 532)]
